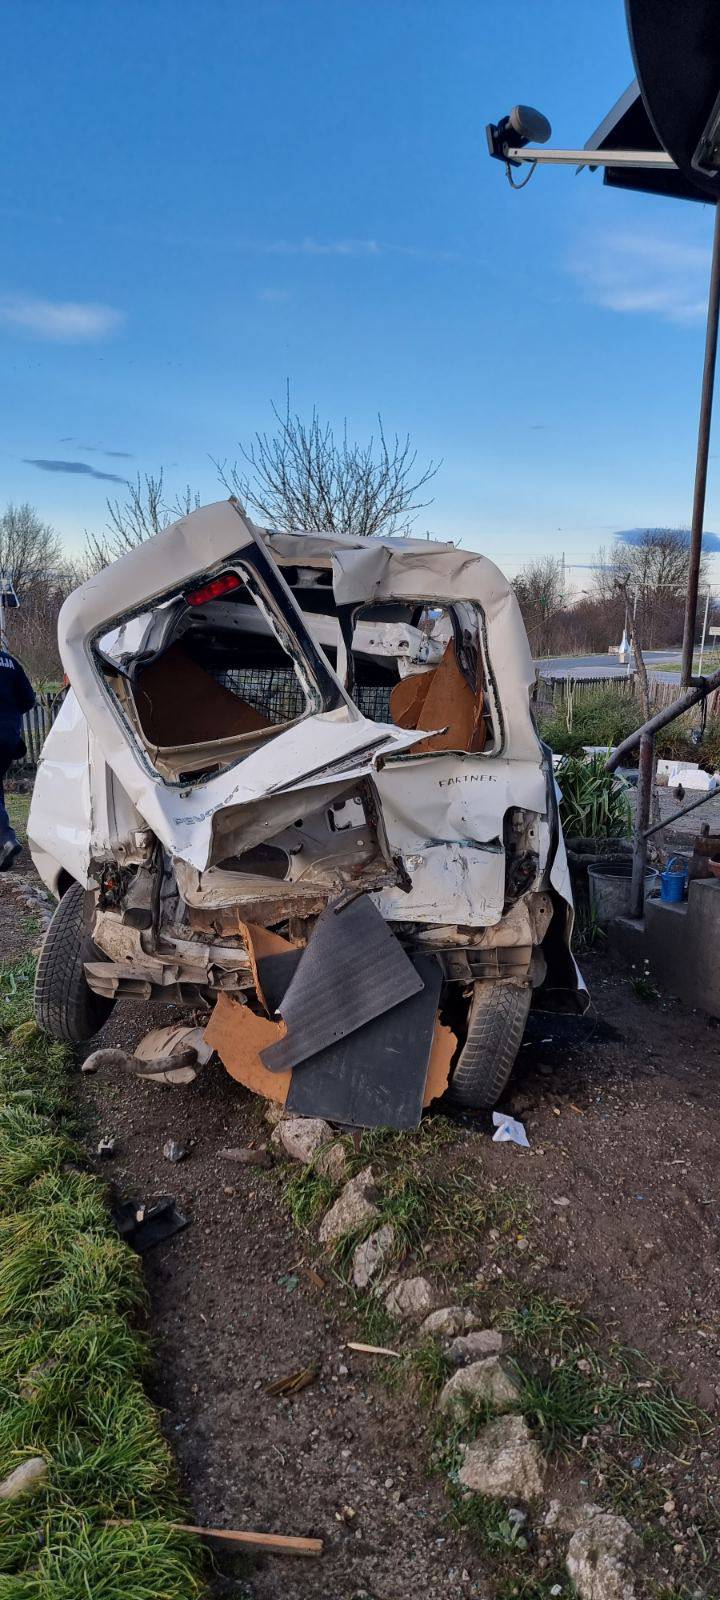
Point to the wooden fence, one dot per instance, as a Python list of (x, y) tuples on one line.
[(557, 692), (36, 725)]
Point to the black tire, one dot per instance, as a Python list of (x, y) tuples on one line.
[(496, 1023), (65, 1005)]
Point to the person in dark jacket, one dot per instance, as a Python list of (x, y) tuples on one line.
[(16, 697)]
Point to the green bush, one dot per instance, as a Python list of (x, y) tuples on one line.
[(603, 716)]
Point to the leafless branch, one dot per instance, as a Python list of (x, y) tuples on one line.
[(301, 478)]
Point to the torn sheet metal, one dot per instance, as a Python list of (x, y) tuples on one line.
[(353, 969), (182, 816)]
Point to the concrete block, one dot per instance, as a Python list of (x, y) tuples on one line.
[(683, 946)]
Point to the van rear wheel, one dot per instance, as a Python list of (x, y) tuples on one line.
[(496, 1023), (65, 1005)]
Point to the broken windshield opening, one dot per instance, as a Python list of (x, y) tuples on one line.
[(207, 680)]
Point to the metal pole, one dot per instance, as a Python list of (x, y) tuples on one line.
[(701, 463), (702, 641), (642, 818)]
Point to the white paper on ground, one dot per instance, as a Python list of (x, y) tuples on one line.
[(509, 1131)]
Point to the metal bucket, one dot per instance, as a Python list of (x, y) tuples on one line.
[(609, 885)]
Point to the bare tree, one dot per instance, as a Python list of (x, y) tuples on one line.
[(301, 478), (30, 550), (651, 572), (130, 522), (539, 588)]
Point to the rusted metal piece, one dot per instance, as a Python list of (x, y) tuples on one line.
[(642, 817)]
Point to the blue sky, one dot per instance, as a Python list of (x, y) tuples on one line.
[(199, 202)]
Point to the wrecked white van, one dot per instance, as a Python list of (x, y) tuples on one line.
[(261, 725)]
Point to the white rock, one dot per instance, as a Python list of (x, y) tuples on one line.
[(371, 1256), (504, 1461), (474, 1346), (482, 1381), (274, 1113), (26, 1478), (447, 1322), (600, 1558), (331, 1161), (302, 1137), (353, 1207), (567, 1519), (409, 1297)]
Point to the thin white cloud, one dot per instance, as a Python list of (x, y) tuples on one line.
[(351, 248), (62, 321), (644, 273)]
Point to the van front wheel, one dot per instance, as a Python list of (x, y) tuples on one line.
[(496, 1023), (65, 1005)]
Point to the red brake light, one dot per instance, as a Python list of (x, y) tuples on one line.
[(213, 590)]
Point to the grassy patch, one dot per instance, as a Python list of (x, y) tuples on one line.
[(73, 1357), (430, 1369), (18, 807), (308, 1195)]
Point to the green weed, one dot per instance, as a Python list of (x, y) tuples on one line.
[(430, 1369), (308, 1195)]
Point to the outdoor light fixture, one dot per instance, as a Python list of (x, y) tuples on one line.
[(523, 126)]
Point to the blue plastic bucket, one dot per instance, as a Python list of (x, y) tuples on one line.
[(673, 881)]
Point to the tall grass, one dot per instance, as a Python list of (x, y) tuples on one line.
[(73, 1357)]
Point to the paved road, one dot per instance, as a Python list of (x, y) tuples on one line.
[(604, 666)]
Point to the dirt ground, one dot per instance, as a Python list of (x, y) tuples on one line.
[(622, 1110)]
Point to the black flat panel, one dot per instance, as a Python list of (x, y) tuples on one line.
[(275, 974), (376, 1077), (676, 47), (352, 970)]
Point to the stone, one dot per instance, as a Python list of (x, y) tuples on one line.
[(174, 1151), (302, 1137), (371, 1256), (246, 1156), (26, 1479), (601, 1556), (474, 1346), (483, 1381), (409, 1298), (567, 1519), (274, 1113), (331, 1161), (504, 1461), (353, 1208), (447, 1322)]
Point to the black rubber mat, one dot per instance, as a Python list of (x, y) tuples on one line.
[(375, 1078), (352, 970), (275, 974)]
